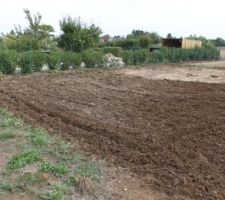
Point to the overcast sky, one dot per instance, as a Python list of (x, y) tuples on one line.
[(120, 17)]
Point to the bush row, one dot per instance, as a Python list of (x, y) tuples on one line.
[(34, 60), (163, 55)]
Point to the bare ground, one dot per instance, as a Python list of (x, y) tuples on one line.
[(170, 134), (208, 72)]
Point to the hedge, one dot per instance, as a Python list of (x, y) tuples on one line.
[(34, 60), (7, 61), (116, 51)]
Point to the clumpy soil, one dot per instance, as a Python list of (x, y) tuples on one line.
[(170, 134)]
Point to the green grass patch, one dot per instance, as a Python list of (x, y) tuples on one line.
[(27, 157), (6, 187), (72, 181), (5, 135), (90, 170), (11, 121), (39, 137), (56, 192), (58, 170)]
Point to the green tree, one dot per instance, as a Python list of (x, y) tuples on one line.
[(144, 36), (35, 36), (144, 41), (78, 36)]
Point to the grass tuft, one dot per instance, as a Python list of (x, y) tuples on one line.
[(39, 137), (11, 121), (89, 170), (29, 156), (6, 187), (57, 170), (5, 135)]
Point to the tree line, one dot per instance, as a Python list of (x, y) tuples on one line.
[(76, 36)]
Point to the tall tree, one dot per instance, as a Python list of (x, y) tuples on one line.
[(36, 36), (78, 36)]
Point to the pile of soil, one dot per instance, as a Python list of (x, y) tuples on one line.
[(170, 134)]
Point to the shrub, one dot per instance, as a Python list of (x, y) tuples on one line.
[(38, 60), (53, 60), (116, 51), (144, 41), (140, 56), (136, 57), (7, 61), (25, 62), (70, 59), (157, 57), (182, 55), (127, 57), (127, 44), (92, 58)]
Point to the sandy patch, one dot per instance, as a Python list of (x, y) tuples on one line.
[(185, 73)]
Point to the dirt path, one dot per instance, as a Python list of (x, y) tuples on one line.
[(170, 134)]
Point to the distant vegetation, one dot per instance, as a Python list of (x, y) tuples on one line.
[(29, 48)]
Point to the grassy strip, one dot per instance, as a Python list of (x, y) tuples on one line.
[(56, 159)]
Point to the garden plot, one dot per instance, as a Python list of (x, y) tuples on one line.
[(169, 134)]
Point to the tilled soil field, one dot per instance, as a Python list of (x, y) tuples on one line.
[(170, 134)]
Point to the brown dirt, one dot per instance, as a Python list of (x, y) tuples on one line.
[(170, 134)]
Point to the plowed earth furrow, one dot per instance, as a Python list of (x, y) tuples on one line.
[(171, 134)]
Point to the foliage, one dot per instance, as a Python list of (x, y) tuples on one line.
[(93, 58), (6, 187), (116, 51), (31, 61), (70, 59), (127, 44), (127, 57), (35, 36), (19, 161), (219, 42), (58, 170), (144, 41), (53, 60), (5, 135), (78, 36), (7, 61), (140, 56), (150, 37), (39, 137), (89, 169), (10, 122), (25, 62), (38, 59), (135, 57), (181, 55)]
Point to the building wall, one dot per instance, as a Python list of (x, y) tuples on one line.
[(191, 44)]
